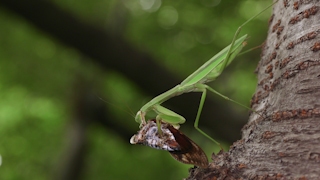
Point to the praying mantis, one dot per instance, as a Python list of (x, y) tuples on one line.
[(196, 82)]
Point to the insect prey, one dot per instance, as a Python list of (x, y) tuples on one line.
[(181, 147)]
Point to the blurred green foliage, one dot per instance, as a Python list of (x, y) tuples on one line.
[(38, 73)]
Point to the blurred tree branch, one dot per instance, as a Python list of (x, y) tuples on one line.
[(86, 110)]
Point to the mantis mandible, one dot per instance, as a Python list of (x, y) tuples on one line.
[(195, 82)]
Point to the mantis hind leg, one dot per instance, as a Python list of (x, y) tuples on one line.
[(196, 122), (225, 63), (203, 88), (227, 98)]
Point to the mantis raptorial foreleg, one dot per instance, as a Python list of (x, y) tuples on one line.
[(168, 116)]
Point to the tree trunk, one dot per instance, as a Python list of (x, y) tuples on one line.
[(285, 144)]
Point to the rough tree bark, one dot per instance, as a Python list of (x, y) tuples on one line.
[(285, 144)]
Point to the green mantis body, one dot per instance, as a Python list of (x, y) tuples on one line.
[(196, 83)]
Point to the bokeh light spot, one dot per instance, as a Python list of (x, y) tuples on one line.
[(150, 5), (167, 17)]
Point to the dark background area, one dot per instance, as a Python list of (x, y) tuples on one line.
[(64, 62)]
